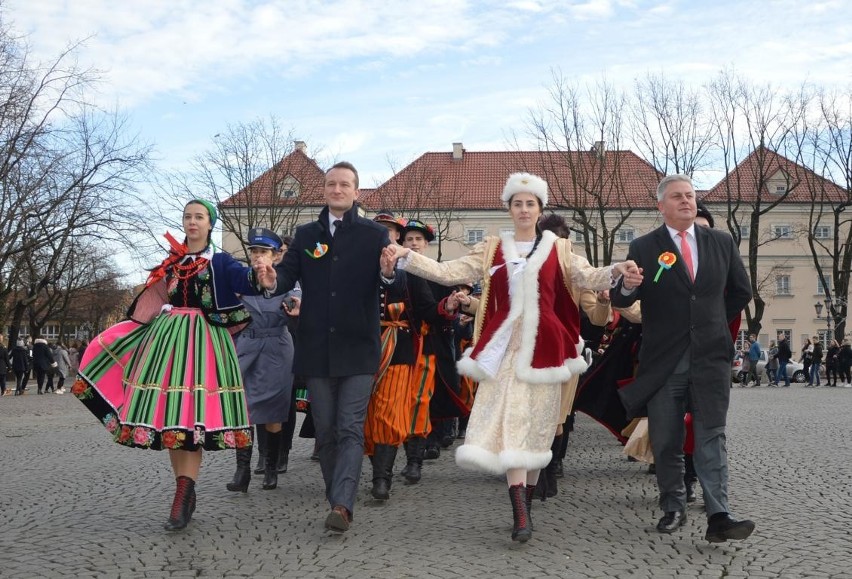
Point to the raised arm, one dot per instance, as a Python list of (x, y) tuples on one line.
[(583, 275), (449, 273)]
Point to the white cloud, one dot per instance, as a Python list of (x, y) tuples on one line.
[(367, 78), (149, 47), (591, 9)]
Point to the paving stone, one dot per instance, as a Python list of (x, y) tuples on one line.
[(76, 504)]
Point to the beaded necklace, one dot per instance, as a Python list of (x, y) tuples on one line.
[(186, 271)]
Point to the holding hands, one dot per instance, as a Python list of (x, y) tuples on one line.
[(457, 299), (631, 274), (390, 255)]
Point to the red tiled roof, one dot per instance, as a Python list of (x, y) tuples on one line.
[(263, 190), (576, 178), (761, 166)]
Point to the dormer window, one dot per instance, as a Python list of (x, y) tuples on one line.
[(289, 188)]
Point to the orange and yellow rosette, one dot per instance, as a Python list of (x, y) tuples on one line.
[(666, 260), (320, 250)]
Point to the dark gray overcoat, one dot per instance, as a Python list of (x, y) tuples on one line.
[(678, 314), (339, 330)]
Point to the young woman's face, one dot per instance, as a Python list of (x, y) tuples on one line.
[(196, 222), (524, 210)]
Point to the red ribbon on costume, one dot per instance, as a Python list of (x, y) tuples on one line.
[(177, 252)]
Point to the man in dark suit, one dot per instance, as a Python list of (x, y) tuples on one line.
[(691, 283), (336, 260)]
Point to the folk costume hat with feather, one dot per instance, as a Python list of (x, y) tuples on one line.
[(389, 218), (417, 225)]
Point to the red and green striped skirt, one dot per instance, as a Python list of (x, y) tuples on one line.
[(174, 383)]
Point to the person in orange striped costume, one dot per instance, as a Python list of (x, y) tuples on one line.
[(405, 310), (436, 396)]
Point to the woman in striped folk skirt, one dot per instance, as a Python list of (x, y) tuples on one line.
[(168, 378)]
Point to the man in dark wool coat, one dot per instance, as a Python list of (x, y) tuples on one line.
[(691, 283), (336, 260)]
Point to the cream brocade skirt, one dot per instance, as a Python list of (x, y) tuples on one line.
[(512, 423)]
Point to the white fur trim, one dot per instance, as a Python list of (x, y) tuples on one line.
[(526, 299), (525, 459), (467, 366), (525, 183), (570, 367), (470, 457)]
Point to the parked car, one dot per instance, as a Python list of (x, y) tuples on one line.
[(795, 370)]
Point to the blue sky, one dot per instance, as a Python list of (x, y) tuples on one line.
[(370, 80)]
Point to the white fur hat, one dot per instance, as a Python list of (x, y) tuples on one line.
[(525, 183)]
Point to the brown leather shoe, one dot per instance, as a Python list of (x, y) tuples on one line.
[(338, 519)]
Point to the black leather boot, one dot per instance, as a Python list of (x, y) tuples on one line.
[(283, 458), (448, 433), (414, 451), (183, 504), (546, 487), (383, 458), (530, 495), (260, 439), (270, 473), (550, 471), (404, 471), (432, 447), (521, 530), (242, 476)]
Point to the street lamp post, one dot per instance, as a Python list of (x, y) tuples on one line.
[(818, 307)]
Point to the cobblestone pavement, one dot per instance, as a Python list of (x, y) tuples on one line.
[(75, 504)]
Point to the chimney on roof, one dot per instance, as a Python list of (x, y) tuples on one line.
[(599, 149), (458, 151), (301, 146)]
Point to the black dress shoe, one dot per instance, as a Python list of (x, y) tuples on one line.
[(671, 521), (723, 528), (690, 493)]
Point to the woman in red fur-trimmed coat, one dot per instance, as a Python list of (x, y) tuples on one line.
[(526, 339)]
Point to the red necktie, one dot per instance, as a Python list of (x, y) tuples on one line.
[(686, 253)]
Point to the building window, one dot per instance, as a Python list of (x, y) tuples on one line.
[(745, 231), (289, 188), (782, 285), (788, 333), (475, 236), (823, 290), (822, 232), (578, 237), (780, 189), (782, 232), (50, 332), (624, 235), (825, 337)]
